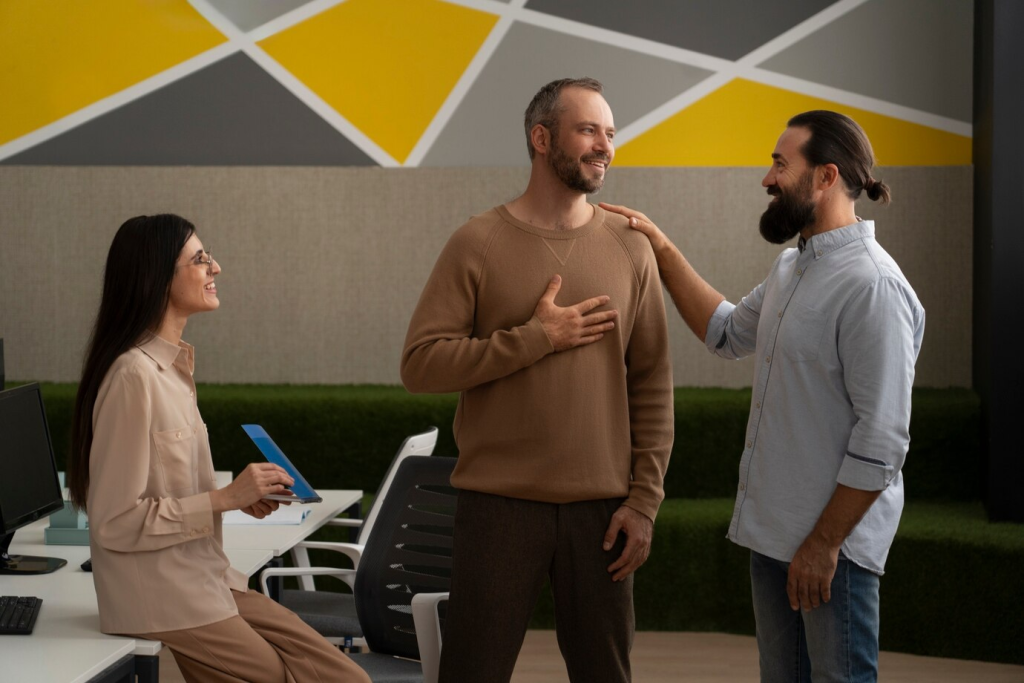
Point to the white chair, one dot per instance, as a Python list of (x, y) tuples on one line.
[(428, 632)]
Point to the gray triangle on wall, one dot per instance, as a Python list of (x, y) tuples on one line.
[(248, 14), (229, 113)]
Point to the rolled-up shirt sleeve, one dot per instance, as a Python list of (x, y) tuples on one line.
[(732, 329), (880, 335), (123, 515)]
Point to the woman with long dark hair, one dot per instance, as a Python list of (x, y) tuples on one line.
[(140, 464)]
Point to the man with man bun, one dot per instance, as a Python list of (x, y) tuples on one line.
[(835, 330)]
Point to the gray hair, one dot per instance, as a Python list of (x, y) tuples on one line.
[(544, 107)]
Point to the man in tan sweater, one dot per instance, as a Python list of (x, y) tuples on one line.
[(565, 422)]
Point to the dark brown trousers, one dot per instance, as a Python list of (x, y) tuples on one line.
[(504, 549)]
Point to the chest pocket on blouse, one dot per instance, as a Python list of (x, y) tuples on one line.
[(176, 450), (802, 330)]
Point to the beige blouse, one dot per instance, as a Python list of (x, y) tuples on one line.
[(157, 555)]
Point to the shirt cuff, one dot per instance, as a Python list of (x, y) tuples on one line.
[(716, 326), (866, 474), (196, 516)]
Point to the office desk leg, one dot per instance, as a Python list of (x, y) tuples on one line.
[(276, 583), (354, 511), (147, 668)]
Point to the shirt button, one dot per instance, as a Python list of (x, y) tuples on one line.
[(749, 444), (757, 405), (768, 359), (743, 487), (191, 393), (817, 253), (206, 529), (178, 435), (780, 314), (799, 272)]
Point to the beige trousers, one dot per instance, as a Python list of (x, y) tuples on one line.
[(264, 643)]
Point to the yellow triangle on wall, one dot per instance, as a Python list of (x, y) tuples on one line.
[(387, 67), (738, 125), (58, 57)]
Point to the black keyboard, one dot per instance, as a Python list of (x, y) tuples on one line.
[(18, 615)]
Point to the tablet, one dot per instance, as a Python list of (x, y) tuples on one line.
[(303, 492)]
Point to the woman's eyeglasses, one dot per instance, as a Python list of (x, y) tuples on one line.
[(208, 262)]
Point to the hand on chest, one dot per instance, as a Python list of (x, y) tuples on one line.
[(510, 286)]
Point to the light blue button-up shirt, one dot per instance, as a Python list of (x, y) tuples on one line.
[(836, 330)]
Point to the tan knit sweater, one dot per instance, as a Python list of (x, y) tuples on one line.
[(589, 423)]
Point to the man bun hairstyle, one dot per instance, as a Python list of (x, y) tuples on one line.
[(544, 109), (838, 139)]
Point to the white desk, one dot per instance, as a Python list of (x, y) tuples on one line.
[(279, 539), (66, 645)]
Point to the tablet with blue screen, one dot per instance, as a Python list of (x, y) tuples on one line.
[(301, 490)]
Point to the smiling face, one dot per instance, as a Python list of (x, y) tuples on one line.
[(790, 182), (581, 144), (193, 289)]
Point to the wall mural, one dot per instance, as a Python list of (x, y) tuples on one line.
[(444, 82)]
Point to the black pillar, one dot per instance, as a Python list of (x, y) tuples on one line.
[(998, 365)]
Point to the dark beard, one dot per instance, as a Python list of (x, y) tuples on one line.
[(570, 171), (790, 213)]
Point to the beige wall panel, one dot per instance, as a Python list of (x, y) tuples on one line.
[(323, 266)]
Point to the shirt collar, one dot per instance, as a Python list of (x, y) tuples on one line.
[(166, 354), (825, 243)]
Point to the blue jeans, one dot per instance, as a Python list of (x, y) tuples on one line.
[(835, 642)]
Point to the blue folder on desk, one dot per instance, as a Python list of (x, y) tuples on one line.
[(303, 492)]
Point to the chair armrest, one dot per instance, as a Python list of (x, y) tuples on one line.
[(353, 551), (346, 575), (428, 632), (344, 521)]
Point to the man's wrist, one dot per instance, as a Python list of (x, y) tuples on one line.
[(662, 247), (823, 537)]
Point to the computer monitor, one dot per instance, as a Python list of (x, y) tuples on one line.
[(29, 486)]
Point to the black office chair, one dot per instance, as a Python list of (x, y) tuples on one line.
[(408, 553), (333, 615)]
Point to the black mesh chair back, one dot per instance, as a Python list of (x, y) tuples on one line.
[(409, 552)]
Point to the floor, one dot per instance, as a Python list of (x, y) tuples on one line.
[(660, 657)]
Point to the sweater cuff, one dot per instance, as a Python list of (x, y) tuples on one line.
[(866, 474), (646, 508), (196, 516), (536, 339)]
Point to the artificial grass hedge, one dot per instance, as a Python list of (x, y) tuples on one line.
[(951, 588), (345, 436)]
